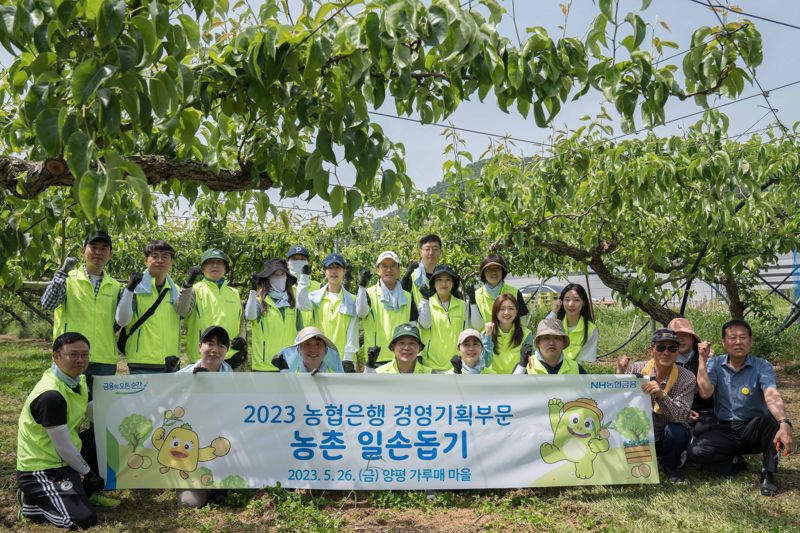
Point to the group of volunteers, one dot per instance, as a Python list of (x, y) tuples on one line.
[(709, 409)]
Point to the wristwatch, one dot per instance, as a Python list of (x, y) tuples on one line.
[(786, 421)]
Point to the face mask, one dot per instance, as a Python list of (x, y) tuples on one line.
[(278, 283), (296, 266)]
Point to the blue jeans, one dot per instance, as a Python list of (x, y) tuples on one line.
[(674, 441)]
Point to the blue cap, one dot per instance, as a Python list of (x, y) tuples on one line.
[(331, 259), (297, 250)]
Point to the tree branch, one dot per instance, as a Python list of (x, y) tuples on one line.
[(27, 179)]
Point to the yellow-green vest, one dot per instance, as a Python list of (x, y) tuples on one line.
[(214, 305), (414, 289), (272, 332), (568, 366), (379, 323), (441, 339), (160, 335), (507, 355), (334, 325), (391, 368), (35, 450), (90, 314), (576, 339), (485, 301)]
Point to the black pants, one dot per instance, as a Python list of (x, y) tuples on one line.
[(56, 495), (717, 446)]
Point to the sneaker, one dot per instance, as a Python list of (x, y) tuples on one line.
[(768, 485), (99, 499), (20, 502), (675, 476)]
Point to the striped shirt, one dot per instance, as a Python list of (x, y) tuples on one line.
[(675, 405)]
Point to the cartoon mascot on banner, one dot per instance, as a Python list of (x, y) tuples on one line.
[(578, 435)]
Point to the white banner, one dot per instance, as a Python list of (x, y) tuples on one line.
[(356, 431)]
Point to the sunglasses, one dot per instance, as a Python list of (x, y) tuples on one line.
[(671, 348)]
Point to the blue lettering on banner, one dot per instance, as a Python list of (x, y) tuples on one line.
[(627, 384)]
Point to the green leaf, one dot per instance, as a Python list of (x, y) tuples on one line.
[(437, 26), (78, 153), (324, 146), (91, 191), (388, 183), (110, 21), (191, 30), (607, 10), (47, 131), (354, 200), (87, 77), (337, 200)]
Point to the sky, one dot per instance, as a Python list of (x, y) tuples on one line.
[(424, 144)]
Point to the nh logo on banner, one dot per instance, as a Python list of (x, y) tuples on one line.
[(367, 432)]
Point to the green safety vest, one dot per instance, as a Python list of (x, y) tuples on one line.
[(90, 314), (379, 323), (334, 325), (214, 305), (576, 338), (391, 368), (272, 332), (485, 301), (568, 366), (35, 450), (159, 336), (441, 339), (415, 290), (308, 316), (507, 355)]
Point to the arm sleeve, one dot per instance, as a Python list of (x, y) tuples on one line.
[(362, 303), (589, 351), (56, 291), (351, 342), (303, 301), (424, 319), (675, 406), (551, 315), (185, 302), (523, 307), (251, 308), (64, 446), (519, 369), (475, 318), (124, 313), (488, 350)]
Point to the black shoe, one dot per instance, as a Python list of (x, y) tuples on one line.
[(675, 476), (768, 485), (738, 464)]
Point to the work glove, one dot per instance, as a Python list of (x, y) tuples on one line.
[(191, 276), (457, 363), (470, 292), (280, 363), (306, 269), (92, 482), (69, 264), (349, 367), (134, 280), (199, 369), (372, 356), (171, 364), (525, 355), (364, 278), (240, 345), (425, 292), (406, 281), (348, 278), (254, 281)]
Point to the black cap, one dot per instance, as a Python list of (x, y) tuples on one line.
[(98, 236), (297, 250), (216, 331), (444, 269)]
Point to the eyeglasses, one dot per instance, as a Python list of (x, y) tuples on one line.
[(76, 356), (671, 348)]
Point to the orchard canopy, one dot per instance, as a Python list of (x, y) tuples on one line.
[(113, 112)]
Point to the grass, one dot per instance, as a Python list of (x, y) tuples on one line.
[(704, 504)]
